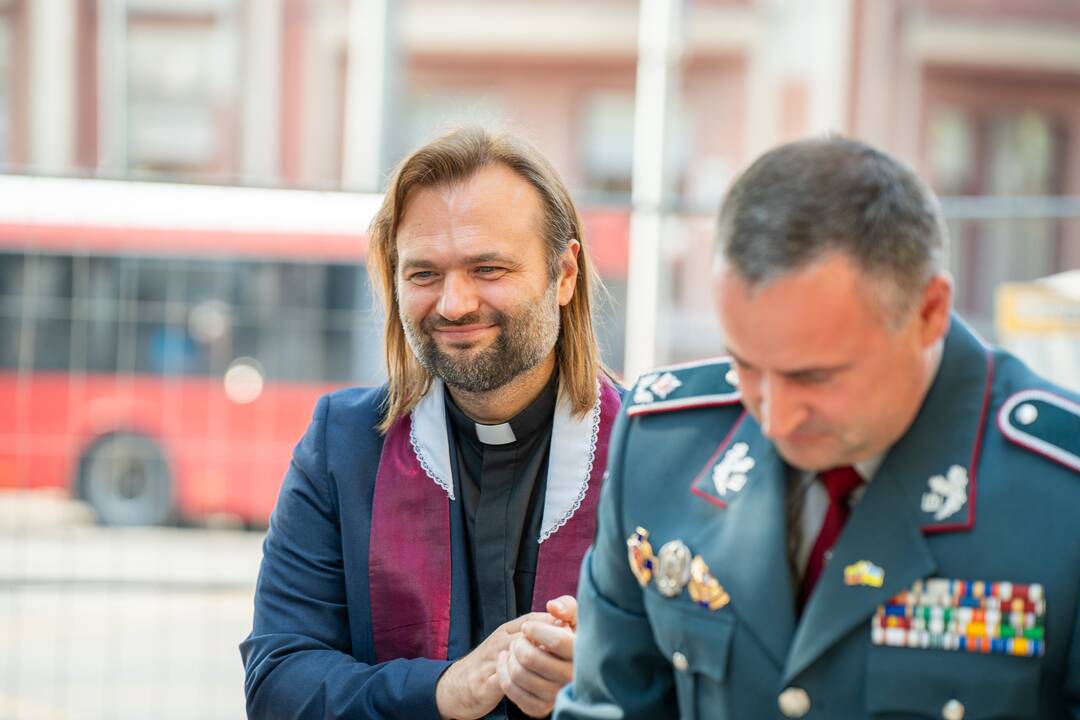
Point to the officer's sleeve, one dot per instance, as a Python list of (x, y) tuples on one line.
[(297, 660), (618, 670)]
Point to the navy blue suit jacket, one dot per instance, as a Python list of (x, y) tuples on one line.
[(310, 653)]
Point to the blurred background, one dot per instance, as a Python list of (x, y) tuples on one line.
[(185, 187)]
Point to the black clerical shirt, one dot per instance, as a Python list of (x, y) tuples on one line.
[(502, 484)]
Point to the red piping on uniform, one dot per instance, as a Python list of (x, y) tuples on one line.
[(640, 410), (723, 445), (973, 491)]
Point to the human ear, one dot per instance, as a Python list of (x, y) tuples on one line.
[(935, 308), (568, 271)]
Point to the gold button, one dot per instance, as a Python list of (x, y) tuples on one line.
[(679, 661), (794, 702), (953, 710)]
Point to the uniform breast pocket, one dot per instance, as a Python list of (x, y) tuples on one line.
[(916, 683), (697, 643)]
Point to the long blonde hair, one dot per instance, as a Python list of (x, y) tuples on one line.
[(450, 159)]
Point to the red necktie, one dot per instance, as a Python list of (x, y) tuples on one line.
[(840, 483)]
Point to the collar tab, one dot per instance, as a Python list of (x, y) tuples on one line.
[(501, 434)]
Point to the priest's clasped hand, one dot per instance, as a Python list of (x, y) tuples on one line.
[(527, 660), (540, 660)]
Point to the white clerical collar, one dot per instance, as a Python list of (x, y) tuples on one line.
[(570, 459), (501, 434)]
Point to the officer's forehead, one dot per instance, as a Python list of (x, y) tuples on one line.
[(816, 310)]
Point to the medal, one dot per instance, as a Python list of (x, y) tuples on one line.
[(672, 568), (640, 554), (704, 588)]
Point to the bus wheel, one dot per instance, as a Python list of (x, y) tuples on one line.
[(126, 480)]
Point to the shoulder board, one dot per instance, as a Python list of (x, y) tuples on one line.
[(697, 384), (1045, 423)]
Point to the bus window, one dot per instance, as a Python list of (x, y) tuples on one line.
[(99, 315), (12, 273), (47, 306)]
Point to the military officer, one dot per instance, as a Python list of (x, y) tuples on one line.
[(864, 512)]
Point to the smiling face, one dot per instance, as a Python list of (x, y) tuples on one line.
[(823, 364), (477, 300)]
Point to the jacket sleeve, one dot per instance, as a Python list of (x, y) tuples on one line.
[(298, 660), (619, 673)]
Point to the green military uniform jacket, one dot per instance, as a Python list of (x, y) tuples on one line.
[(984, 486)]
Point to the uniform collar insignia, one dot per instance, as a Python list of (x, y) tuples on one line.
[(741, 460), (729, 475), (655, 385), (947, 494), (939, 457), (641, 389), (700, 383)]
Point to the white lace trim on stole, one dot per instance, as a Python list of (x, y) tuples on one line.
[(428, 437), (570, 462)]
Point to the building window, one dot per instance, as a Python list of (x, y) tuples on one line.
[(1001, 153), (429, 114), (182, 94), (607, 143), (952, 151)]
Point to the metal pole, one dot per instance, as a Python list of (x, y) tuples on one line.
[(372, 62), (52, 83), (830, 71), (112, 88), (262, 95), (660, 39)]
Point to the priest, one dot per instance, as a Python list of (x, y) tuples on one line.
[(423, 556)]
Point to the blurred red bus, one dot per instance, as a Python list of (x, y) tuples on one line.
[(162, 346)]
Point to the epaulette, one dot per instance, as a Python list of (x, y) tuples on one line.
[(1045, 423), (697, 384)]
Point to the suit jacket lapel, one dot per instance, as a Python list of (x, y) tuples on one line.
[(746, 547), (887, 526)]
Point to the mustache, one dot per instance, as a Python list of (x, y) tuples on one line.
[(437, 323)]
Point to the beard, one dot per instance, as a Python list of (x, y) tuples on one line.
[(525, 338)]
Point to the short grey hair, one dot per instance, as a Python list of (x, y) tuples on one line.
[(808, 199)]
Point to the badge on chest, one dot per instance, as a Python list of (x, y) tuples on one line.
[(673, 570), (969, 616)]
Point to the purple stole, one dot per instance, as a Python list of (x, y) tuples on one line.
[(409, 556)]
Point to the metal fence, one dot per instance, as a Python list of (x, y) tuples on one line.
[(141, 622)]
